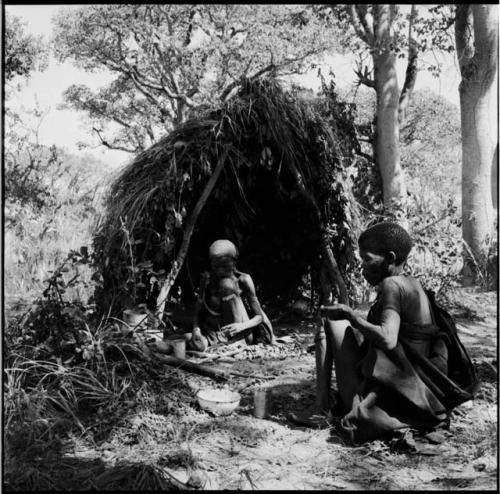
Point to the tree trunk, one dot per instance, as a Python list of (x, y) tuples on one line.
[(478, 111), (411, 68), (494, 179), (477, 155), (387, 154)]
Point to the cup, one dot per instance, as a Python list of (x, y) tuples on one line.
[(179, 348), (262, 401)]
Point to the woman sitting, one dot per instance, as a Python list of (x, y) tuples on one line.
[(226, 296)]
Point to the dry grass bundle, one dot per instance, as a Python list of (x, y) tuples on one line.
[(281, 157)]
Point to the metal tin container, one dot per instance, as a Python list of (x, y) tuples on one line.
[(179, 347), (262, 400)]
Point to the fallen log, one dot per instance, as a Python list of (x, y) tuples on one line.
[(202, 370), (253, 376)]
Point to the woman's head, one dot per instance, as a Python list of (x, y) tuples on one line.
[(223, 255), (383, 249)]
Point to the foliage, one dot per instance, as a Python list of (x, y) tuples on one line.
[(431, 130), (68, 372), (430, 143), (284, 171), (63, 364), (380, 34), (431, 32), (55, 327), (47, 192), (40, 229), (24, 52), (168, 59), (367, 182), (344, 226), (436, 257)]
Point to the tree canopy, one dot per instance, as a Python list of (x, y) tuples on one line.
[(171, 58), (23, 52)]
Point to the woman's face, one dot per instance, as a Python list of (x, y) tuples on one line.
[(374, 267), (222, 266)]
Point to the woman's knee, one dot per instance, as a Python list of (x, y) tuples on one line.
[(336, 326), (336, 331), (234, 310)]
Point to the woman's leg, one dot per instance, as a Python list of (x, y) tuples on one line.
[(346, 354), (314, 416), (337, 343)]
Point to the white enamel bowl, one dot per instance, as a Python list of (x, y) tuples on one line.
[(218, 401)]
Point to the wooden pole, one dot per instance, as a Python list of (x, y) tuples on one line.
[(186, 365), (333, 270), (188, 231), (327, 254)]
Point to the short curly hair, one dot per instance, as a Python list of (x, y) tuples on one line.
[(385, 237)]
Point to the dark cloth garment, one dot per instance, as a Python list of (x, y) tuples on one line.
[(233, 308), (409, 387)]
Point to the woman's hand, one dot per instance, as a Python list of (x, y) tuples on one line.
[(199, 342), (233, 329), (337, 312)]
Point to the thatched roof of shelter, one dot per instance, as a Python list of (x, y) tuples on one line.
[(282, 188)]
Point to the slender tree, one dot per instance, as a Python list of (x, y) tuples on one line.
[(476, 34), (382, 34), (379, 28)]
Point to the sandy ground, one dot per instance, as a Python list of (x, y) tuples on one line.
[(165, 430), (243, 452)]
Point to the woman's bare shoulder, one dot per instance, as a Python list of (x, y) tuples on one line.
[(402, 283), (243, 277), (245, 281)]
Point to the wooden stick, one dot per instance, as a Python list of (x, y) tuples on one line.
[(327, 254), (193, 367), (333, 270), (190, 224), (254, 376)]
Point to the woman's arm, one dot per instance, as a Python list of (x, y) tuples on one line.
[(383, 335), (199, 302), (248, 292), (196, 315)]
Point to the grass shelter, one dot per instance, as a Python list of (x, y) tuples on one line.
[(267, 170)]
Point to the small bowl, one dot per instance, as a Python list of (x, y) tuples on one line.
[(218, 401)]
